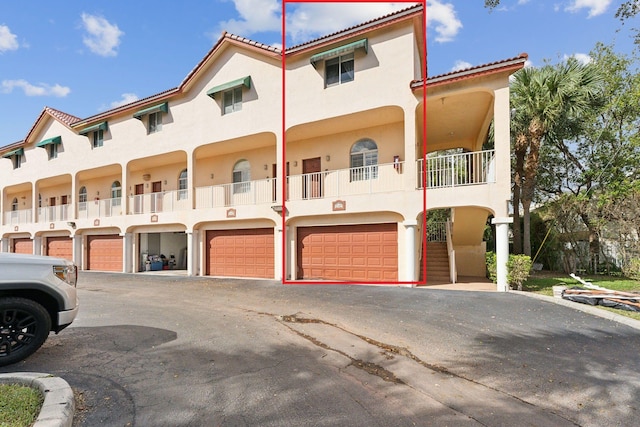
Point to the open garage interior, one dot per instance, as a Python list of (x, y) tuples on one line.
[(240, 253), (365, 252), (163, 251)]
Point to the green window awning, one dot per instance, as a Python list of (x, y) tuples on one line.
[(347, 48), (54, 140), (164, 107), (245, 81), (95, 128), (18, 152)]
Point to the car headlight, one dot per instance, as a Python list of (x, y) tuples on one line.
[(66, 273)]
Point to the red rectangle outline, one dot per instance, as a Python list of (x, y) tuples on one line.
[(284, 156)]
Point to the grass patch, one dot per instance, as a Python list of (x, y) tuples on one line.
[(19, 405), (542, 283)]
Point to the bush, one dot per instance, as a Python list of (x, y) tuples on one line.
[(518, 270), (632, 269), (490, 257)]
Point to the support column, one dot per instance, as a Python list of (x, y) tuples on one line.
[(410, 255), (292, 255), (191, 248), (277, 247), (37, 245), (76, 248), (502, 251), (4, 244), (127, 252)]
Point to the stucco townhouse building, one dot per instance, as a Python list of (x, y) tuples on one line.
[(243, 170)]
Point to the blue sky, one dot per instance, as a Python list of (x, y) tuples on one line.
[(86, 57)]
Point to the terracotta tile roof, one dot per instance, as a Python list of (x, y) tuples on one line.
[(365, 26), (61, 116), (510, 64), (252, 42)]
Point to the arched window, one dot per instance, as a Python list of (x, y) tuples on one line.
[(241, 176), (14, 204), (183, 183), (116, 193), (364, 160), (82, 199)]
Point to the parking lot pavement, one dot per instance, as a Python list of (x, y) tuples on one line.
[(170, 351)]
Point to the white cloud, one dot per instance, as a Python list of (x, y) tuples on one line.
[(443, 16), (310, 20), (103, 37), (595, 7), (126, 99), (255, 16), (582, 58), (32, 90), (461, 65), (8, 40)]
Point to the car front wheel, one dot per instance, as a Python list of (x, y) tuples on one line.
[(24, 327)]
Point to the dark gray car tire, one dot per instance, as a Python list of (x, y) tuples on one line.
[(24, 327)]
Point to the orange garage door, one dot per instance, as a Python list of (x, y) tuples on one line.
[(363, 253), (104, 253), (60, 247), (23, 246), (240, 253)]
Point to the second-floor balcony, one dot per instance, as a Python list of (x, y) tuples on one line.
[(236, 194), (100, 208), (456, 170), (164, 201), (53, 213), (20, 216)]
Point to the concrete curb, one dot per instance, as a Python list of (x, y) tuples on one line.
[(585, 308), (59, 404)]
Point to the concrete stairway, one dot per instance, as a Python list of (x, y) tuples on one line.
[(437, 263)]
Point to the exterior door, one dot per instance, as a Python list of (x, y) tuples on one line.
[(22, 246), (104, 252), (363, 253), (312, 179), (61, 247), (241, 253), (156, 197), (138, 200)]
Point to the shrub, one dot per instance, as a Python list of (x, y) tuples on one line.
[(490, 258), (518, 269), (632, 269)]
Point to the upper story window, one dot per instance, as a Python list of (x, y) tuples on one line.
[(232, 100), (183, 182), (116, 193), (339, 70), (16, 160), (82, 198), (98, 138), (52, 151), (154, 116), (230, 94), (241, 176), (339, 62), (51, 145), (364, 160), (14, 204), (15, 156)]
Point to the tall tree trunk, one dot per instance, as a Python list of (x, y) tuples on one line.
[(520, 151), (526, 238)]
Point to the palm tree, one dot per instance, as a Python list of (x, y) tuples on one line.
[(544, 100)]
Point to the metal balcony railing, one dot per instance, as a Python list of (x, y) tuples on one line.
[(456, 170), (236, 194), (20, 216), (100, 208), (164, 201), (53, 213)]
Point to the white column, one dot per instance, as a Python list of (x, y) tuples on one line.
[(4, 244), (502, 251), (292, 254), (277, 247), (127, 252), (37, 245), (410, 254), (76, 248), (191, 249)]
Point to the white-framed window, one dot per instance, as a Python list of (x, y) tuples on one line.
[(116, 193), (155, 122), (16, 159), (241, 176), (232, 100), (98, 138), (339, 70), (82, 198), (183, 183), (364, 160), (52, 150)]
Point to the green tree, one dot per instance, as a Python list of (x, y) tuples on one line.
[(547, 102)]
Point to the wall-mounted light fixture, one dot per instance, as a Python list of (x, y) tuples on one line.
[(97, 193), (211, 176), (165, 182), (266, 167), (295, 163), (327, 158), (71, 224)]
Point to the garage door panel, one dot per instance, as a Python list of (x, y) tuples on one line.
[(348, 253), (61, 247), (104, 252), (241, 253), (23, 246)]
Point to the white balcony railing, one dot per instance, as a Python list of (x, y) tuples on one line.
[(236, 194), (456, 170), (345, 182), (165, 201), (20, 216), (53, 213), (100, 208)]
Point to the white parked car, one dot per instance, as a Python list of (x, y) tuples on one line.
[(37, 295)]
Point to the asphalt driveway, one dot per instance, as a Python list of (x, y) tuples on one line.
[(172, 351)]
